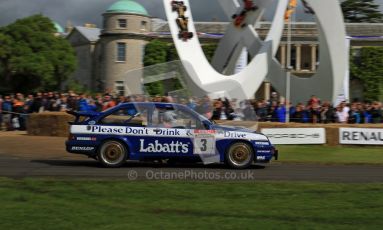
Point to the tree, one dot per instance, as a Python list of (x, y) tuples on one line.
[(172, 54), (32, 57), (368, 67), (361, 11), (155, 53), (209, 50), (5, 53)]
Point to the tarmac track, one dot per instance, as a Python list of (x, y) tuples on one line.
[(23, 156)]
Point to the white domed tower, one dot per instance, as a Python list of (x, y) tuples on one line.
[(122, 42)]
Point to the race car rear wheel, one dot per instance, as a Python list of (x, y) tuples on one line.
[(112, 154), (240, 155)]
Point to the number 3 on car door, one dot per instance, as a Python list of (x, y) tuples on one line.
[(204, 143)]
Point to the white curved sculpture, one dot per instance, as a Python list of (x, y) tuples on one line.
[(333, 55), (204, 79)]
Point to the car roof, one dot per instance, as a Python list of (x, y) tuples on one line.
[(161, 105), (156, 104)]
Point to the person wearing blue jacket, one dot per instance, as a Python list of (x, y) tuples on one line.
[(281, 113), (82, 104), (7, 109), (354, 115)]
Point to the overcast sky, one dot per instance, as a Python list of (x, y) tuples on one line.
[(89, 11)]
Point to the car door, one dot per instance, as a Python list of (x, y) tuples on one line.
[(128, 123), (167, 135), (178, 126)]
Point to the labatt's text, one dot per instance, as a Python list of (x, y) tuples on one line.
[(156, 147)]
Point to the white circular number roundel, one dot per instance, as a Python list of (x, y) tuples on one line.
[(207, 79)]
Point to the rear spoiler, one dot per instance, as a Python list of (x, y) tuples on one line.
[(79, 114)]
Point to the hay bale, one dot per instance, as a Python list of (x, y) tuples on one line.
[(332, 136), (48, 124)]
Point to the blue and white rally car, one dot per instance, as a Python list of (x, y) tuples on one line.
[(157, 131)]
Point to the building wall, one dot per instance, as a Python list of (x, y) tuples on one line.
[(133, 36), (98, 67), (83, 73), (84, 53), (115, 70)]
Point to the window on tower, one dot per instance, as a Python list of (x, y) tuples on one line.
[(143, 25), (122, 23), (121, 51)]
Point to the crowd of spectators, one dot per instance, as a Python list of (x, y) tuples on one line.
[(14, 109), (312, 111)]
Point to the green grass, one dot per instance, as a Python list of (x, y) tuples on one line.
[(330, 155), (48, 204)]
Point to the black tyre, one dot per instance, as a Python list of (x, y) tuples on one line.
[(240, 155), (112, 154)]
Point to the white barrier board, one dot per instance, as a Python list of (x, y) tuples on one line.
[(295, 136), (360, 136)]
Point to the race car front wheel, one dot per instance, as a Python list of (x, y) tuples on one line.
[(112, 154), (240, 155)]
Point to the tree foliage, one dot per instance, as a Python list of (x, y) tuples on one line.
[(32, 57), (361, 11), (368, 67), (209, 50), (155, 53), (172, 54)]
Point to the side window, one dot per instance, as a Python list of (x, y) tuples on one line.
[(189, 120), (128, 117), (173, 118)]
